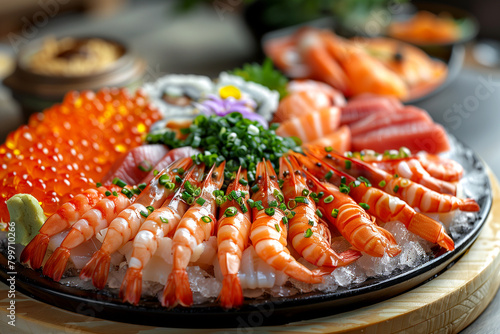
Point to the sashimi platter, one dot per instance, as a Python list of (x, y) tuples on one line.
[(208, 198)]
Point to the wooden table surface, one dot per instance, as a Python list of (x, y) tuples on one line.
[(207, 42)]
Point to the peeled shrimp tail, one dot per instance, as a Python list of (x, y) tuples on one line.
[(34, 252), (97, 269), (231, 293), (428, 229), (177, 289), (56, 264), (131, 288)]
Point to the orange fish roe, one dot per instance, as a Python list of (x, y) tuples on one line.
[(70, 146)]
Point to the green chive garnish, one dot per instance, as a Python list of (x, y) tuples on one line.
[(328, 199), (119, 183), (231, 211), (269, 211), (311, 222), (107, 193), (115, 194), (382, 183), (364, 206), (164, 220), (396, 188), (292, 204), (320, 215), (163, 179), (206, 219), (285, 220), (243, 182), (329, 175), (308, 233), (251, 202), (273, 204), (348, 164), (277, 227), (156, 172), (145, 166), (127, 193), (200, 201), (142, 186), (144, 214), (328, 148), (98, 184), (255, 188), (335, 213)]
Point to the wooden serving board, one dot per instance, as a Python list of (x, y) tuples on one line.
[(446, 304)]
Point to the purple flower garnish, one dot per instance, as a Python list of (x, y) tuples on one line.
[(216, 105)]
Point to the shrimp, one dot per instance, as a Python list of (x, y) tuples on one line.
[(232, 239), (380, 204), (68, 214), (268, 232), (126, 225), (353, 222), (441, 168), (313, 247), (412, 193), (159, 224), (83, 230), (196, 226), (413, 170)]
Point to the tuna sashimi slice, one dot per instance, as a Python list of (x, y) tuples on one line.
[(339, 140), (360, 108), (382, 119), (311, 126), (417, 136), (127, 167)]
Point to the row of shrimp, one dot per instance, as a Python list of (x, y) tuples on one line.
[(364, 65), (284, 217)]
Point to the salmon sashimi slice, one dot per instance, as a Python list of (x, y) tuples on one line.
[(416, 136), (358, 109), (337, 99), (339, 140), (136, 164), (311, 126), (382, 119), (300, 103), (322, 65)]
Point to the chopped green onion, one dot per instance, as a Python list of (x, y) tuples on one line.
[(243, 182), (189, 187), (364, 206), (329, 175), (301, 199), (231, 211), (348, 164), (127, 193), (335, 213), (206, 219), (321, 194), (145, 166), (251, 203), (396, 188), (280, 183), (382, 183), (290, 214), (115, 194), (144, 214), (107, 193), (292, 204), (255, 188), (200, 201), (98, 184), (156, 172), (119, 183), (308, 233), (273, 204), (234, 195), (164, 220), (269, 211), (344, 189), (277, 227), (365, 181), (170, 185), (243, 208), (285, 220), (282, 207), (178, 179), (311, 222), (163, 179), (396, 176), (320, 215), (328, 148), (190, 201), (142, 186), (329, 199), (305, 192), (150, 208)]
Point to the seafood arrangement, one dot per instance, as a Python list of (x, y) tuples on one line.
[(223, 190), (380, 66)]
